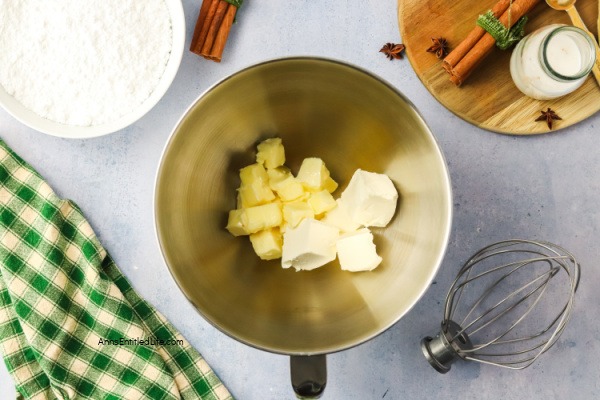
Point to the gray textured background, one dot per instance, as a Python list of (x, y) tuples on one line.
[(543, 187)]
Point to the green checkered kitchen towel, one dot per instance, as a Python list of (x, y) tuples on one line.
[(71, 326)]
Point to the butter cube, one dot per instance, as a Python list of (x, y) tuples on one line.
[(254, 194), (330, 185), (284, 184), (234, 223), (289, 189), (340, 218), (253, 173), (321, 202), (262, 217), (356, 251), (267, 244), (295, 212), (309, 246), (271, 153), (313, 173), (277, 175), (370, 198)]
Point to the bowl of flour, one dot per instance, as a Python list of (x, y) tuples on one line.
[(85, 68)]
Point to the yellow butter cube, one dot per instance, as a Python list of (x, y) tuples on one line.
[(321, 202), (255, 194), (239, 203), (271, 153), (277, 175), (234, 223), (284, 184), (313, 173), (262, 217), (330, 185), (267, 244), (289, 189), (253, 173), (295, 212)]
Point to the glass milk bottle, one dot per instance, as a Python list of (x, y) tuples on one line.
[(552, 61)]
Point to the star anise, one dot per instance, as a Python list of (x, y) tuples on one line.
[(548, 116), (439, 47), (392, 50)]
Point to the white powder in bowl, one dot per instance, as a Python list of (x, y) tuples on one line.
[(83, 62)]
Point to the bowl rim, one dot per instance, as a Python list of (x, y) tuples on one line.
[(446, 233), (57, 129)]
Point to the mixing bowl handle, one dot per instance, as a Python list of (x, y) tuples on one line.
[(309, 375)]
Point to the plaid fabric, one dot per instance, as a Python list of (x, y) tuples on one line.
[(63, 299)]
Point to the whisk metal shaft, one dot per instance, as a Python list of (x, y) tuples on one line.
[(497, 328)]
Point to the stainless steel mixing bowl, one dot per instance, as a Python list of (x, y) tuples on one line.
[(320, 108)]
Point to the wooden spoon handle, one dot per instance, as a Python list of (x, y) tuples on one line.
[(578, 22)]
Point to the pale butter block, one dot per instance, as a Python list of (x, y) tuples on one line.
[(254, 194), (356, 251), (321, 202), (271, 153), (295, 212), (340, 218), (262, 217), (267, 244), (253, 173), (310, 245), (313, 173), (234, 223), (370, 198)]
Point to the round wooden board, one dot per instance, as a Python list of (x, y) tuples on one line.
[(488, 98)]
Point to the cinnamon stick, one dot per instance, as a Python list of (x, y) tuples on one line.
[(472, 38), (485, 44), (197, 39), (221, 39), (214, 27)]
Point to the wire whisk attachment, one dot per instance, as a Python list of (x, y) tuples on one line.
[(508, 305)]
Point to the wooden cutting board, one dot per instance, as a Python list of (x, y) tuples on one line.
[(488, 98)]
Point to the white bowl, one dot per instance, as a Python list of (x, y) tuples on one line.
[(33, 120)]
